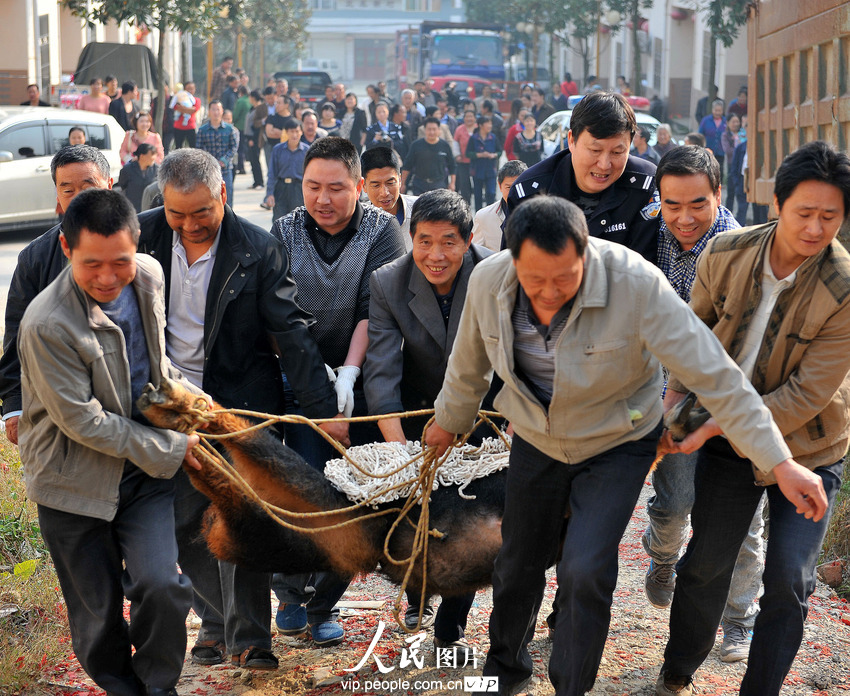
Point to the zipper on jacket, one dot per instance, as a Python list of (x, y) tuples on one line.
[(216, 313)]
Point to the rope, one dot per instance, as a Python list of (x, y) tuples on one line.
[(417, 488)]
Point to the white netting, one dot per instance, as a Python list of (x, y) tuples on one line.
[(463, 465)]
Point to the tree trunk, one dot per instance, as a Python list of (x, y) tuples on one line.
[(160, 68), (637, 87)]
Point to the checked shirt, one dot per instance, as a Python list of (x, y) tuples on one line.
[(679, 266)]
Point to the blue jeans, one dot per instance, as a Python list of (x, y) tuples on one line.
[(484, 188), (99, 562), (599, 496), (227, 177), (669, 523), (724, 504)]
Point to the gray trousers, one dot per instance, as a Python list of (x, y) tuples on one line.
[(99, 562)]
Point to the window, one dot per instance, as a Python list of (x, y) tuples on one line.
[(57, 135), (24, 141)]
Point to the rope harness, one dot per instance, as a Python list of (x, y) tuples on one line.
[(411, 473)]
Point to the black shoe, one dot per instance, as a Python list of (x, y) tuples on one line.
[(411, 616), (155, 691)]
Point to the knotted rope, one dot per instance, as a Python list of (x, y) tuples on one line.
[(402, 478)]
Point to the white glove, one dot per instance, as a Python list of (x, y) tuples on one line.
[(346, 376)]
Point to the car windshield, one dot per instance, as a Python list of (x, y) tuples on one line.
[(549, 130), (307, 84), (466, 50)]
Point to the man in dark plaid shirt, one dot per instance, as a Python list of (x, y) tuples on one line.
[(221, 140), (691, 213), (688, 180)]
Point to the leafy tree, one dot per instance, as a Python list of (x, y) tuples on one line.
[(583, 25), (724, 19)]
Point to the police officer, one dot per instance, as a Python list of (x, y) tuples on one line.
[(616, 191)]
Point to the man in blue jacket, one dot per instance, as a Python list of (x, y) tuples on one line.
[(615, 190)]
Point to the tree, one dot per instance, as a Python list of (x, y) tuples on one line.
[(202, 18), (724, 19), (630, 12), (584, 24)]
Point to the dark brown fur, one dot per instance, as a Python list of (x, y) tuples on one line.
[(239, 531)]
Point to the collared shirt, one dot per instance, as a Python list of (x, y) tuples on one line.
[(771, 289), (330, 246), (286, 164), (680, 266), (221, 142), (533, 345), (184, 332)]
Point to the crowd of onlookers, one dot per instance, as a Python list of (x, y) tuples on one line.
[(451, 138)]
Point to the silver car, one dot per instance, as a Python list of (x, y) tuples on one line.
[(29, 137)]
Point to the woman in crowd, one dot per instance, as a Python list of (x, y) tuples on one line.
[(383, 132), (664, 140), (142, 133), (513, 125), (528, 144), (353, 122), (329, 121), (463, 133), (138, 174)]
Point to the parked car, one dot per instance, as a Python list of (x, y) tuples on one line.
[(309, 83), (29, 137), (554, 130)]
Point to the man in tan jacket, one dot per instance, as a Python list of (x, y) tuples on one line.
[(777, 296)]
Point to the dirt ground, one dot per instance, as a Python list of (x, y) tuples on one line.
[(632, 658)]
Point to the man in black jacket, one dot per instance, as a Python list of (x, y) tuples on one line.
[(616, 191), (233, 324), (74, 169)]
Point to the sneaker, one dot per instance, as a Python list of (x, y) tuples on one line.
[(671, 685), (659, 584), (411, 617), (291, 619), (736, 644), (327, 633), (461, 651)]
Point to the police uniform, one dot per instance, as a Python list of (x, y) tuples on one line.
[(628, 211)]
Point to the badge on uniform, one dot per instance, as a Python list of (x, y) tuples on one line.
[(652, 209)]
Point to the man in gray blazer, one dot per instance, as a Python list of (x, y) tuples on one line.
[(414, 315)]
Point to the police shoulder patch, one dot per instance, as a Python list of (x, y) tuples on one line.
[(652, 209)]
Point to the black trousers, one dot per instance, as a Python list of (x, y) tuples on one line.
[(600, 495), (99, 562), (254, 161), (233, 603), (183, 138), (287, 197)]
